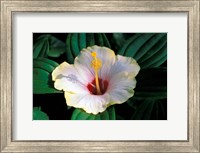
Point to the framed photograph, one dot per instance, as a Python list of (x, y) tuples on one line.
[(99, 76), (104, 80)]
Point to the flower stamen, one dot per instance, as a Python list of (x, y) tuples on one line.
[(96, 65)]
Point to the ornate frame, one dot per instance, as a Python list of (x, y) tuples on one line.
[(8, 7)]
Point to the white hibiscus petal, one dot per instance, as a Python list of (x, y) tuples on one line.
[(90, 103), (121, 88), (120, 96), (84, 60), (124, 64), (67, 70), (122, 81), (107, 58), (104, 54), (83, 65), (68, 79), (62, 69), (85, 73), (70, 85)]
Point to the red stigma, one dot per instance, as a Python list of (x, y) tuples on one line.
[(92, 86)]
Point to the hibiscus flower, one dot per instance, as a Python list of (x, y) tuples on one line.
[(97, 79)]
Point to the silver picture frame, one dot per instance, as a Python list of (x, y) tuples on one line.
[(9, 7)]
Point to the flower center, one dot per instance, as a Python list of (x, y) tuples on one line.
[(96, 65), (103, 85)]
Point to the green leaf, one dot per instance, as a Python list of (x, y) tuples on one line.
[(75, 42), (39, 115), (132, 102), (159, 62), (69, 56), (140, 112), (119, 39), (139, 95), (151, 88), (108, 114), (148, 49), (106, 43), (99, 37), (148, 45), (42, 79), (43, 65), (48, 61), (151, 84), (156, 48), (138, 43), (150, 110), (56, 47), (39, 48), (47, 45), (90, 39), (82, 40), (127, 43), (119, 117), (159, 58), (45, 48)]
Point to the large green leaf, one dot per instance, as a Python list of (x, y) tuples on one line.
[(150, 95), (150, 110), (148, 49), (151, 84), (39, 115), (42, 80), (47, 45), (75, 42), (56, 47), (126, 44), (108, 114), (117, 40), (40, 48)]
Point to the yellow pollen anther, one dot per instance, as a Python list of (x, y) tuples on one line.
[(96, 65), (94, 54)]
